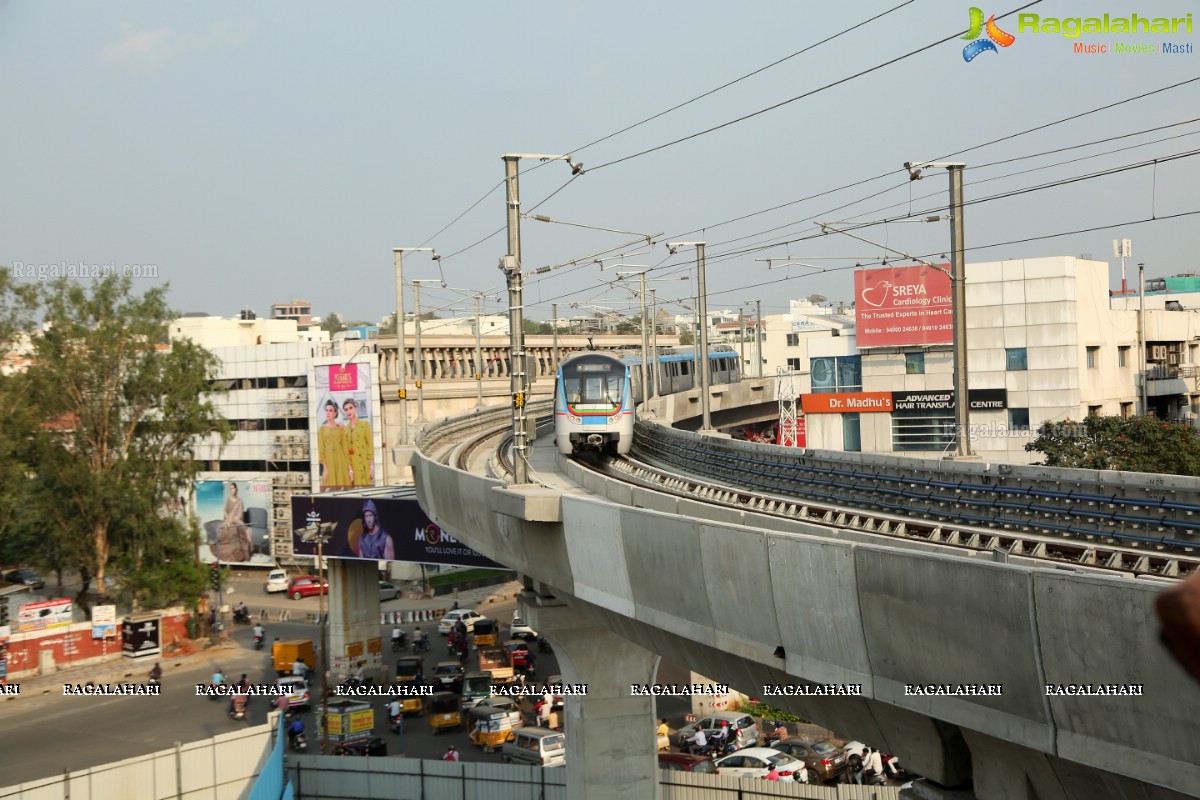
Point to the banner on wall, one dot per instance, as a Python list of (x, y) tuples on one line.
[(377, 529), (345, 426), (235, 516)]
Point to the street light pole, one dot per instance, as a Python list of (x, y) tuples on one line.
[(478, 351), (418, 358), (510, 265), (702, 356), (962, 405), (402, 355), (654, 343), (758, 339), (418, 353)]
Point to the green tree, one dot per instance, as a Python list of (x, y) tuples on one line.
[(686, 336), (1138, 444), (121, 415), (332, 323), (628, 326), (18, 416)]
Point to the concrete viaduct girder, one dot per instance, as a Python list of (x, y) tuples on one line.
[(717, 593)]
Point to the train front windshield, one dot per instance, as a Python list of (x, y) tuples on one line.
[(594, 384)]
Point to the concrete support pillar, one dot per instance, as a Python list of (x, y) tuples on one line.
[(608, 725), (353, 633)]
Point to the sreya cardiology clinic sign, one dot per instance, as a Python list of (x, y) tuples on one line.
[(899, 306)]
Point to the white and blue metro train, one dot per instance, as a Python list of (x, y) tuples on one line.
[(595, 393)]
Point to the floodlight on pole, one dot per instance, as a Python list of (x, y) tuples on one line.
[(702, 357)]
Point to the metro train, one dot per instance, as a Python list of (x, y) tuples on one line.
[(595, 393)]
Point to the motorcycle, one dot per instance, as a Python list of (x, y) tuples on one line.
[(356, 681), (241, 616), (420, 646), (543, 644), (237, 710), (258, 641), (217, 690), (398, 642), (396, 724), (298, 742)]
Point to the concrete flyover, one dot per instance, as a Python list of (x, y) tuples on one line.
[(728, 594)]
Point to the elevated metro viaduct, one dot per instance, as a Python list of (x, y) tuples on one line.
[(617, 576)]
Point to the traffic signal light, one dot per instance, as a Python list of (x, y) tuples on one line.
[(215, 576)]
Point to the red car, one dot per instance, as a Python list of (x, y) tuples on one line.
[(307, 586)]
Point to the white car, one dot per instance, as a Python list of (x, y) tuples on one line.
[(505, 704), (297, 687), (853, 753), (277, 581), (756, 762), (468, 616), (521, 630)]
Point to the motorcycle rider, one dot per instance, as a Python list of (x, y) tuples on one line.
[(721, 736), (397, 638), (217, 678), (699, 742), (156, 673), (420, 640), (296, 728), (259, 632)]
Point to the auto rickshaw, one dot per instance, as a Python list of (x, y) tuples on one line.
[(485, 633), (410, 703), (409, 667), (489, 727), (476, 686), (444, 711)]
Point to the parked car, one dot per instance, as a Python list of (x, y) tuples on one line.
[(388, 591), (521, 630), (756, 762), (307, 586), (685, 762), (297, 687), (467, 615), (743, 730), (277, 581), (825, 761), (26, 577)]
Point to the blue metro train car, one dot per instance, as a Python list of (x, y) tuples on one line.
[(595, 394)]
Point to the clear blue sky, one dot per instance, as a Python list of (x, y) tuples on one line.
[(260, 151)]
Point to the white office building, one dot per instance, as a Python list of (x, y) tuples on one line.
[(1043, 344)]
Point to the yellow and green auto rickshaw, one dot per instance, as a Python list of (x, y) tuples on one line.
[(485, 633), (476, 686), (489, 727), (444, 711)]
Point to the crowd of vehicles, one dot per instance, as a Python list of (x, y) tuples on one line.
[(595, 393)]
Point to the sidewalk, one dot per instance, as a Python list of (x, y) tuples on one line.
[(116, 668)]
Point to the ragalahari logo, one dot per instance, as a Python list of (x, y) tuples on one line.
[(995, 36)]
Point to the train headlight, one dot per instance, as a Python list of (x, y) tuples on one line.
[(574, 419)]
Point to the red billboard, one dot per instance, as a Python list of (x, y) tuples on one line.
[(899, 306)]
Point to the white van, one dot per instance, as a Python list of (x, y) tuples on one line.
[(536, 746), (277, 581)]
